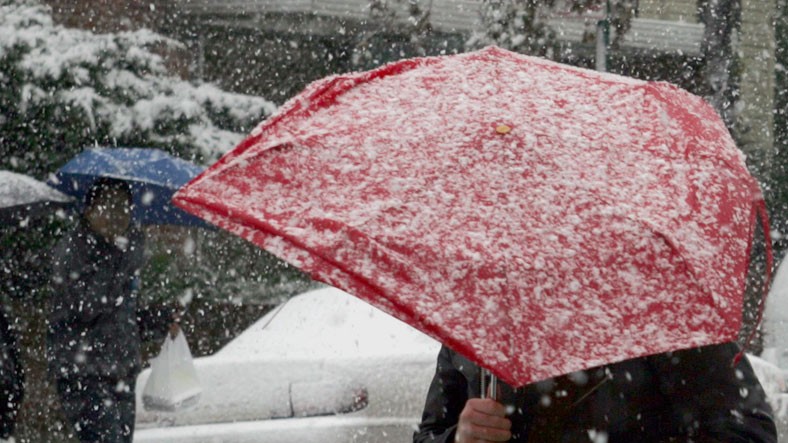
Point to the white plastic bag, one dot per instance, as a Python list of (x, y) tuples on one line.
[(173, 384)]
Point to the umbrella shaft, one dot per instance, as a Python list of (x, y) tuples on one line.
[(486, 377)]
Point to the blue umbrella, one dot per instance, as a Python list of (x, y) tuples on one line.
[(152, 174)]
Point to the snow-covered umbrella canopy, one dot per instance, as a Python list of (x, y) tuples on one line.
[(536, 217), (22, 197)]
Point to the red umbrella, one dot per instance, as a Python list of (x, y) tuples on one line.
[(536, 217)]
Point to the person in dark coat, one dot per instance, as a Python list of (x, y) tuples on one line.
[(692, 395), (22, 277), (94, 337), (12, 378)]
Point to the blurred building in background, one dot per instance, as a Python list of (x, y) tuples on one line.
[(274, 48)]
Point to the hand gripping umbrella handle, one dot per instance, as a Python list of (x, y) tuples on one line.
[(493, 385)]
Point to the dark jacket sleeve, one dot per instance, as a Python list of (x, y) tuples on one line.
[(73, 301), (84, 289), (712, 400), (446, 398)]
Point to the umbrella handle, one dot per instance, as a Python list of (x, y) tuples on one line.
[(493, 384)]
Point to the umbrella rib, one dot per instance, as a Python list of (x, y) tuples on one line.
[(245, 221)]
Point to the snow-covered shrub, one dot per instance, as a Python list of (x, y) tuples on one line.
[(62, 89)]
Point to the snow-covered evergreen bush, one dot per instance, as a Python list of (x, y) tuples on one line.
[(62, 89)]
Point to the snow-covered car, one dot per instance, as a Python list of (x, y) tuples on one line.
[(772, 366), (322, 367), (775, 382)]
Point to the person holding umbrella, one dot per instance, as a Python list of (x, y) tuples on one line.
[(690, 395), (27, 207), (536, 218), (95, 328)]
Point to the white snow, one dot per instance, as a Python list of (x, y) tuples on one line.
[(335, 326), (19, 189)]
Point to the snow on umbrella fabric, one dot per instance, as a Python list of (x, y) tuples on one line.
[(23, 197), (152, 174), (536, 217)]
